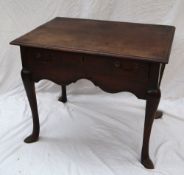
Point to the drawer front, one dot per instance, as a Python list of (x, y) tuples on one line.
[(55, 62), (110, 74), (42, 58), (118, 74), (53, 65), (117, 67)]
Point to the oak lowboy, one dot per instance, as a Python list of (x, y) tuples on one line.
[(116, 56)]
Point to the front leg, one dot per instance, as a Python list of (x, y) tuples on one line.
[(30, 91), (153, 98)]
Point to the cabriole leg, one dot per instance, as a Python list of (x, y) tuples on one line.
[(153, 98), (30, 91)]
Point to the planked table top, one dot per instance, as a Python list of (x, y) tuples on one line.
[(118, 39)]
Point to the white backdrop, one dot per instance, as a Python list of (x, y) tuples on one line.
[(95, 132)]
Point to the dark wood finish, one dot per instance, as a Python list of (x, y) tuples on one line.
[(153, 98), (116, 56), (162, 68), (118, 39), (152, 102), (30, 91), (63, 97), (158, 114)]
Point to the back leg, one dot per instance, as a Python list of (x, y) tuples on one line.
[(63, 97), (158, 114)]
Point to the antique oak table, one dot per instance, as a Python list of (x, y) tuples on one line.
[(116, 56)]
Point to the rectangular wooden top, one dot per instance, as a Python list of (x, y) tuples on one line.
[(118, 39)]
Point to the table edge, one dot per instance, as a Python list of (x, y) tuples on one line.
[(164, 59)]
